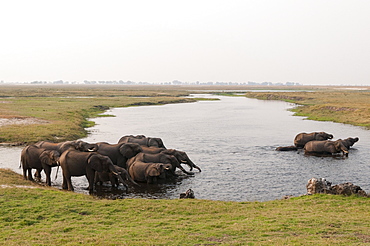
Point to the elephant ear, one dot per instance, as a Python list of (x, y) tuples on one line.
[(45, 157), (96, 163), (154, 170), (126, 150)]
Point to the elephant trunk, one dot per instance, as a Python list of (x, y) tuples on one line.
[(191, 165)]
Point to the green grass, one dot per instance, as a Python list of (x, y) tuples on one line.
[(68, 108), (46, 216), (343, 106)]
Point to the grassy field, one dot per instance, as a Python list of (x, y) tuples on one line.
[(343, 106), (67, 108), (31, 214), (46, 216)]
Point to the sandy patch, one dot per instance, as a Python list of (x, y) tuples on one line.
[(17, 186), (21, 121)]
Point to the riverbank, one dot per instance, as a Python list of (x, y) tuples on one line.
[(47, 216), (29, 114), (341, 106)]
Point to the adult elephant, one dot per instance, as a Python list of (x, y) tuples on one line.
[(119, 153), (325, 147), (142, 140), (63, 146), (33, 157), (147, 172), (302, 138), (104, 176), (181, 156), (77, 163), (349, 142), (159, 158)]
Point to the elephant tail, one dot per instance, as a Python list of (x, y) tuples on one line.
[(131, 180)]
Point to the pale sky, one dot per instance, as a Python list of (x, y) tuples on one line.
[(302, 41)]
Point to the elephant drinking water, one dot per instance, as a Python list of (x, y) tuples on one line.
[(76, 163)]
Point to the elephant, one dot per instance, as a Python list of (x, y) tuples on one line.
[(181, 156), (104, 176), (159, 158), (119, 153), (325, 147), (349, 142), (287, 148), (77, 163), (63, 146), (147, 172), (33, 157), (302, 138), (142, 140)]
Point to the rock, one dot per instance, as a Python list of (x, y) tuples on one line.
[(347, 189), (188, 194), (316, 186)]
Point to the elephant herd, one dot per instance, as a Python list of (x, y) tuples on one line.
[(319, 143), (133, 158)]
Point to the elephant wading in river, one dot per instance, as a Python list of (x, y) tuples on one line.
[(158, 158), (349, 142), (119, 153), (33, 157), (104, 176), (76, 163), (142, 140), (325, 147), (181, 156), (302, 138), (147, 172)]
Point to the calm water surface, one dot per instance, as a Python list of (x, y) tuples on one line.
[(233, 140)]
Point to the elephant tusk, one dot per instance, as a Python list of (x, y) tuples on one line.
[(58, 163), (115, 173)]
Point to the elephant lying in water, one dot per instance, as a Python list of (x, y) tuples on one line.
[(33, 157), (302, 138), (76, 163), (349, 142), (325, 147)]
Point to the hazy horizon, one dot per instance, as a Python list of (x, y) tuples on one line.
[(306, 42)]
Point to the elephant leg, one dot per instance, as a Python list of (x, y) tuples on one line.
[(47, 171), (25, 173), (67, 183), (90, 175), (30, 174), (38, 175)]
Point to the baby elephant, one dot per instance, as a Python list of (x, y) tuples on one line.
[(104, 176), (147, 172), (325, 147)]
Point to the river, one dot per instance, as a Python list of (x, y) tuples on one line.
[(233, 141)]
